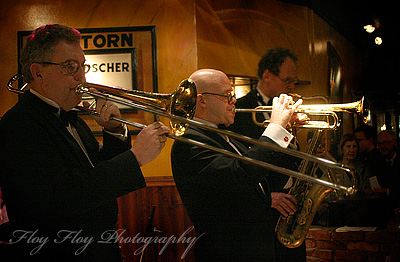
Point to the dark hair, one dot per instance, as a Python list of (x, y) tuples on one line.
[(369, 132), (346, 138), (273, 59), (41, 43)]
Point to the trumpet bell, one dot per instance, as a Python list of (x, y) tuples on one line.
[(329, 111)]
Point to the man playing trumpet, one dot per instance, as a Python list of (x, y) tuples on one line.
[(277, 74)]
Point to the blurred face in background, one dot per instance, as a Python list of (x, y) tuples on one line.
[(366, 144), (386, 145), (349, 151)]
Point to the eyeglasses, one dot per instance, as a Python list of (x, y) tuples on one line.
[(229, 96), (71, 67), (384, 143), (290, 80)]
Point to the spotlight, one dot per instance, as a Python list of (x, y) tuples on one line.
[(378, 40), (369, 28)]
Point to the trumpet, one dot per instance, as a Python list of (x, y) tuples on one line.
[(325, 110), (166, 105)]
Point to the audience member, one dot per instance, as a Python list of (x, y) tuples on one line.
[(373, 162), (387, 146), (372, 179)]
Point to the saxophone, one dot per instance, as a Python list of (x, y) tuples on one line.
[(292, 230)]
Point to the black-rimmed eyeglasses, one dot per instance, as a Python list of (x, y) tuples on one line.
[(290, 80), (71, 67), (229, 96)]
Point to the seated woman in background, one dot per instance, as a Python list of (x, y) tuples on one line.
[(348, 149)]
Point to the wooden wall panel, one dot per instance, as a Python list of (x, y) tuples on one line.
[(170, 217)]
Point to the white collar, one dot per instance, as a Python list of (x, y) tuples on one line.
[(201, 120), (264, 97), (45, 99), (206, 122)]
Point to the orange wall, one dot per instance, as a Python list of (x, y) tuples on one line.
[(192, 34)]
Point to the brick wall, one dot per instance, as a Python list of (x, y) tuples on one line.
[(325, 244)]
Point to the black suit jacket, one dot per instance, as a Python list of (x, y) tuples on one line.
[(243, 121), (224, 200), (245, 125), (51, 188)]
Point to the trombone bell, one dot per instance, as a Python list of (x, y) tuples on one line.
[(181, 102)]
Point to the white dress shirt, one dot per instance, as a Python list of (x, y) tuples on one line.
[(72, 130)]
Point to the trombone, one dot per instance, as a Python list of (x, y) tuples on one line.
[(325, 110), (183, 98)]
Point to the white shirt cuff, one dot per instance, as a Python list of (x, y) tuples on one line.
[(278, 134), (123, 136)]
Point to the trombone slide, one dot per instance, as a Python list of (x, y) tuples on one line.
[(181, 102)]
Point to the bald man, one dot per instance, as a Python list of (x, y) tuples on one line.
[(228, 200)]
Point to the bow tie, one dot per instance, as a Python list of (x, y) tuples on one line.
[(68, 117)]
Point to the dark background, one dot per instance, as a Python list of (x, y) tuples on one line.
[(380, 82)]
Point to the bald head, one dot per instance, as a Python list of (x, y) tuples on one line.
[(209, 80), (213, 91)]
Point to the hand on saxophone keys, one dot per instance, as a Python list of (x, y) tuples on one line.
[(284, 203)]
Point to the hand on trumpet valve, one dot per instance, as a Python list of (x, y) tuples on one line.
[(299, 119), (283, 110)]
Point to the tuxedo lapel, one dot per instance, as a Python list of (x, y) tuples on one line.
[(89, 142), (72, 143), (225, 144), (242, 149), (220, 142), (53, 124)]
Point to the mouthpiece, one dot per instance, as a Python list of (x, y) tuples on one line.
[(81, 89)]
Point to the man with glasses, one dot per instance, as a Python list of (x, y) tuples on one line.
[(277, 74), (372, 177), (387, 146), (59, 183), (228, 200), (373, 162)]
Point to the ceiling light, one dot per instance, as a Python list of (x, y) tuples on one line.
[(369, 28), (378, 40)]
